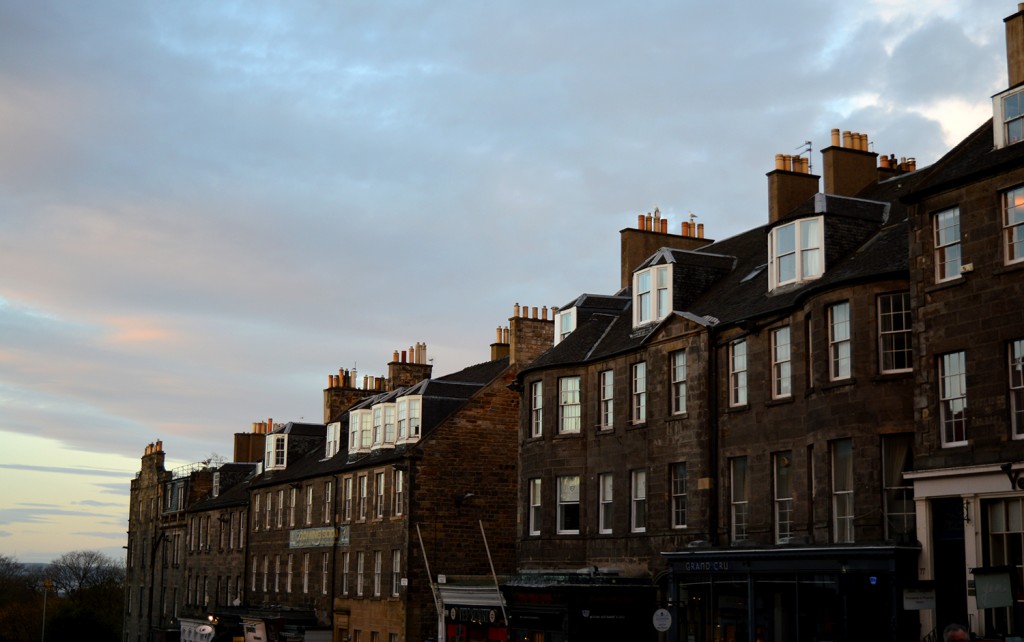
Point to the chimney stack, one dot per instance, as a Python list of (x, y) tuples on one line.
[(790, 184), (1015, 47), (650, 235), (849, 167)]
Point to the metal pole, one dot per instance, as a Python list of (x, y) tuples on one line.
[(47, 585), (430, 578), (493, 574)]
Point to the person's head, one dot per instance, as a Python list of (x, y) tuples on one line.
[(955, 633)]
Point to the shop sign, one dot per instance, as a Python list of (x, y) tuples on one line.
[(706, 566), (918, 599), (318, 537), (472, 614), (662, 620)]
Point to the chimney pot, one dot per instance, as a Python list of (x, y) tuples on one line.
[(544, 313), (835, 138), (700, 230), (847, 138), (649, 222), (778, 165)]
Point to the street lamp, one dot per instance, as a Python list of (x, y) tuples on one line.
[(47, 585)]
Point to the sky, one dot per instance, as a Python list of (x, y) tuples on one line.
[(207, 208)]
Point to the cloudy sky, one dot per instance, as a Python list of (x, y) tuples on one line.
[(207, 209)]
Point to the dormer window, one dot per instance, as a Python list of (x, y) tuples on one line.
[(333, 439), (276, 452), (359, 422), (1008, 117), (565, 323), (794, 252), (408, 411), (652, 295)]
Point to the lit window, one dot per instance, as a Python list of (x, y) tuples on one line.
[(678, 475), (333, 439), (378, 426), (794, 252), (894, 333), (1016, 353), (738, 472), (389, 424), (537, 408), (378, 569), (638, 501), (398, 492), (363, 495), (535, 506), (782, 385), (947, 244), (679, 382), (839, 341), (565, 322), (639, 392), (277, 448), (607, 379), (783, 497), (1013, 224), (842, 491), (414, 418), (953, 398), (569, 504), (360, 570), (738, 373), (569, 405), (396, 571), (378, 482), (652, 295), (605, 505)]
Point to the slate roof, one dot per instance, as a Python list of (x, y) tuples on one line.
[(734, 277)]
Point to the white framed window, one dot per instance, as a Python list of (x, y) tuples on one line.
[(347, 502), (677, 474), (783, 482), (333, 439), (266, 573), (606, 505), (305, 572), (279, 513), (293, 499), (809, 331), (678, 360), (407, 410), (252, 586), (328, 501), (345, 559), (360, 569), (325, 572), (898, 494), (309, 504), (535, 506), (389, 424), (569, 405), (738, 373), (396, 572), (895, 350), (794, 252), (1016, 355), (782, 366), (842, 491), (363, 495), (378, 427), (1008, 116), (270, 509), (839, 341), (953, 398), (947, 244), (1013, 225), (607, 399), (638, 501), (565, 323), (378, 569), (276, 452), (378, 483), (288, 577), (277, 573), (652, 294), (398, 492), (569, 504), (537, 409), (639, 392), (739, 498), (361, 429)]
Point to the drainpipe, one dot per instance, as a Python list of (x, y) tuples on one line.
[(713, 473)]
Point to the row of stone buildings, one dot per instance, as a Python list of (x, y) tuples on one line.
[(813, 430)]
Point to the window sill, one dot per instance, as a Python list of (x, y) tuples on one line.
[(604, 430), (632, 425), (942, 285), (735, 409), (883, 377), (1008, 268), (680, 415), (781, 401), (839, 383), (567, 435)]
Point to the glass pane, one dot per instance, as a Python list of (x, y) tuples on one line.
[(785, 239), (1013, 508)]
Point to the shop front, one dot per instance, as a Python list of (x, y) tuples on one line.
[(563, 608), (473, 614), (805, 594)]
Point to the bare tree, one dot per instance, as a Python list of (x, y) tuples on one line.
[(76, 571)]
